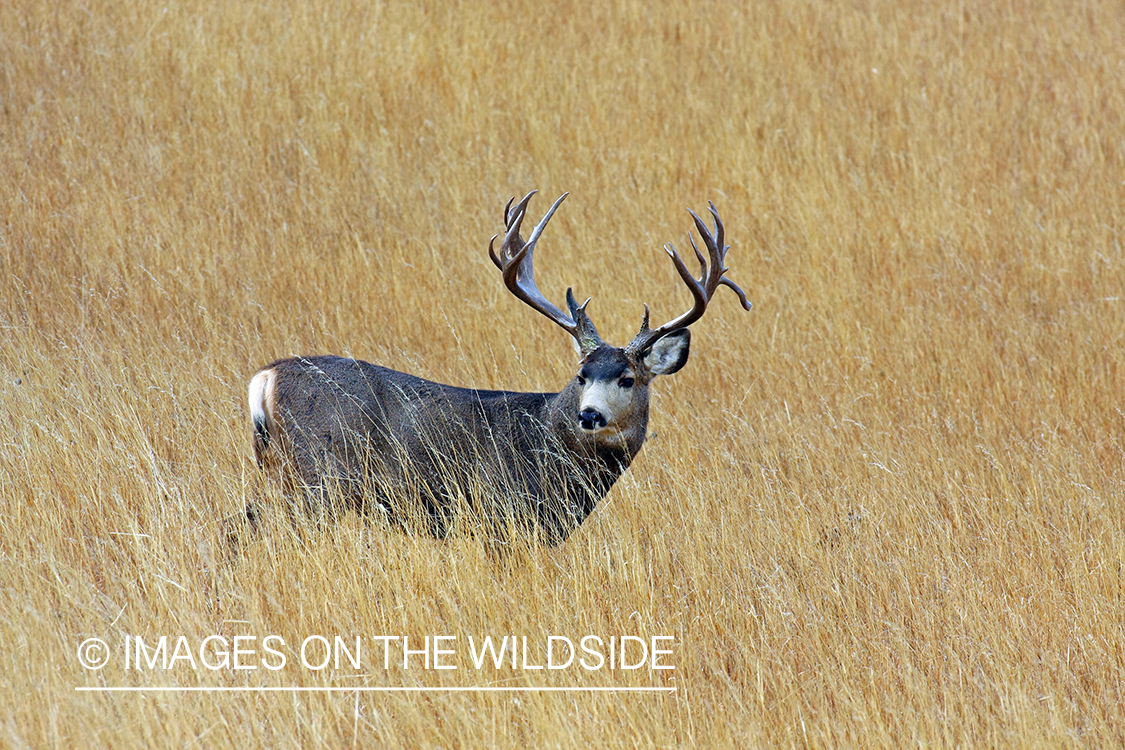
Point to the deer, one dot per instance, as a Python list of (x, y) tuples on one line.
[(348, 434)]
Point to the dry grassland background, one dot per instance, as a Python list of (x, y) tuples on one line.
[(883, 509)]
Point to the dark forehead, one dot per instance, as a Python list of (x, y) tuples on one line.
[(605, 363)]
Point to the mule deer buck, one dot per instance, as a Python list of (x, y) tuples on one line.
[(354, 434)]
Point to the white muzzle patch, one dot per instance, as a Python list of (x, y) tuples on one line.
[(608, 399)]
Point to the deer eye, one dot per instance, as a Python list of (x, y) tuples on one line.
[(625, 382), (581, 380)]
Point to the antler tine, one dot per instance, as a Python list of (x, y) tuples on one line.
[(513, 220), (698, 256), (714, 242), (702, 289), (695, 286), (719, 228), (521, 207), (543, 222), (517, 265)]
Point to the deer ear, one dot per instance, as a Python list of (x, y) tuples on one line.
[(668, 354)]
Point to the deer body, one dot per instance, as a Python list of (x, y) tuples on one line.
[(373, 437)]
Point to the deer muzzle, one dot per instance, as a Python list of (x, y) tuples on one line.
[(591, 419)]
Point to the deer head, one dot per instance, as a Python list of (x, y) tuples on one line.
[(607, 401)]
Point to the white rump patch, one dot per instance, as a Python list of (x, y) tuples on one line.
[(261, 397)]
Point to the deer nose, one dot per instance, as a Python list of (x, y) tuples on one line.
[(591, 419)]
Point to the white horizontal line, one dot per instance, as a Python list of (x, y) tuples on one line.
[(358, 689)]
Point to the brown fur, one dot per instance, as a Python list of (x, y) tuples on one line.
[(346, 433)]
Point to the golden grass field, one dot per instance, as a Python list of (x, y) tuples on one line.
[(883, 509)]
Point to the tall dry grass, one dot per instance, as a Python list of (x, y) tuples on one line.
[(882, 510)]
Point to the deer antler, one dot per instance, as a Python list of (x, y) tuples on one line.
[(702, 289), (516, 263)]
